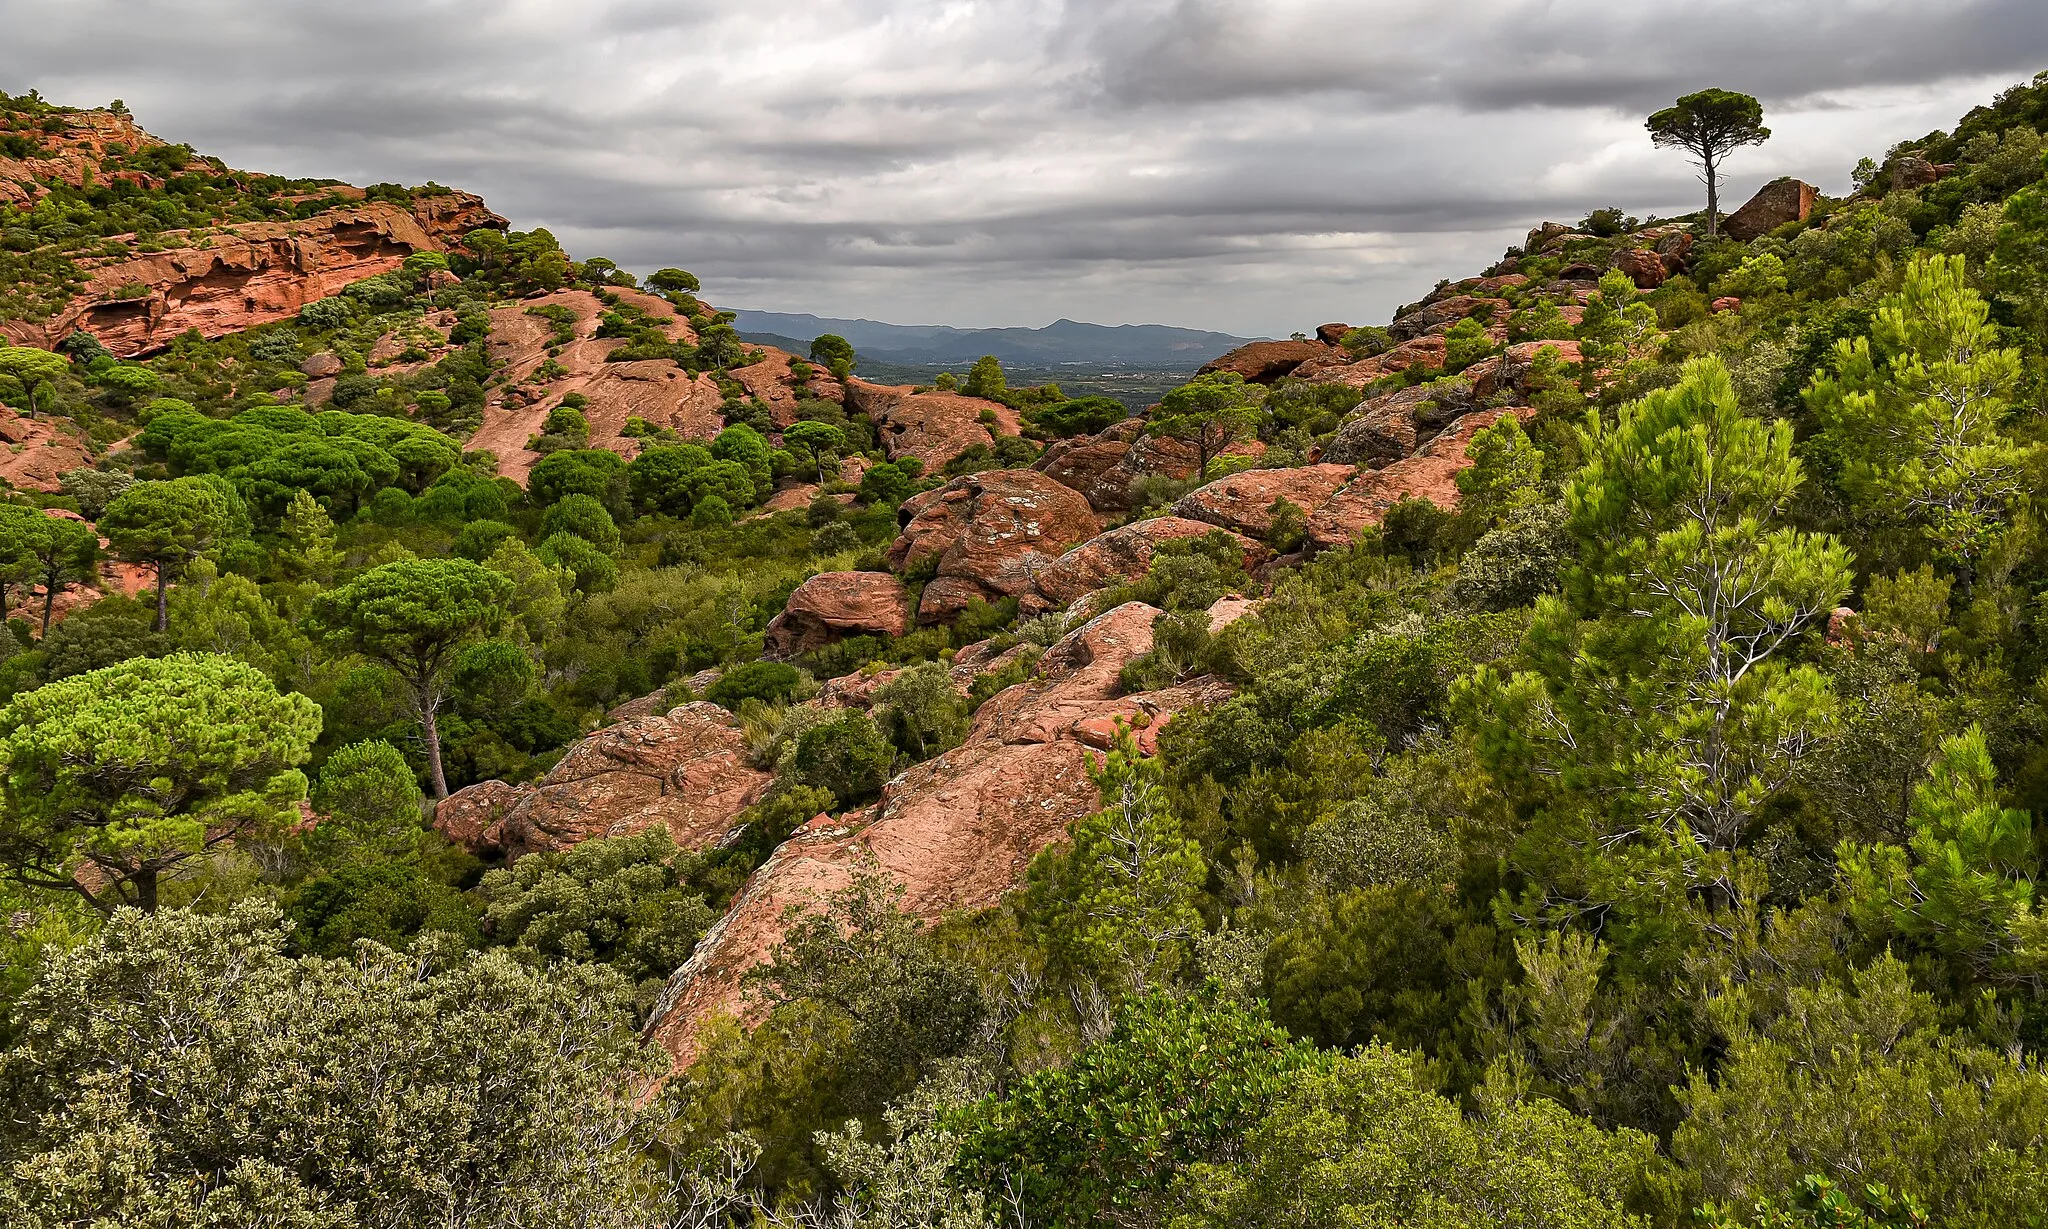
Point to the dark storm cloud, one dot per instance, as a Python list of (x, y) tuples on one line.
[(1255, 167)]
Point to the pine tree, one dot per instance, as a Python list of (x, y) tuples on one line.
[(1656, 702), (1915, 410)]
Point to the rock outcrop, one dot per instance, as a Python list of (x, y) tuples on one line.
[(1643, 266), (1120, 556), (1262, 362), (35, 451), (1102, 467), (687, 771), (833, 605), (1775, 204), (957, 831), (934, 427), (1244, 502), (989, 534), (254, 273), (1430, 474)]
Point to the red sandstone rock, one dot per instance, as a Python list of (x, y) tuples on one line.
[(1425, 351), (1331, 334), (250, 274), (1262, 362), (1244, 502), (1727, 303), (1430, 474), (654, 390), (473, 817), (1102, 467), (1643, 266), (934, 427), (1439, 316), (1121, 555), (687, 771), (35, 451), (990, 533), (957, 831), (833, 605), (1229, 610), (322, 365), (1775, 204)]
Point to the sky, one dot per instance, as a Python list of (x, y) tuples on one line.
[(1252, 166)]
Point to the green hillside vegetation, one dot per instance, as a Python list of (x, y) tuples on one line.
[(1569, 859)]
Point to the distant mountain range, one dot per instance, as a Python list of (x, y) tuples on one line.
[(1148, 347)]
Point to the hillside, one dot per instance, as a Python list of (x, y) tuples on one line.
[(484, 741)]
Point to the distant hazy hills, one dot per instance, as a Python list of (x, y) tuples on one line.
[(1151, 347)]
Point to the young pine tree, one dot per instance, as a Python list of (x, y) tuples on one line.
[(1915, 412)]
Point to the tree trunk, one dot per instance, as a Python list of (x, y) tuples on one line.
[(432, 723), (49, 601), (1713, 200), (145, 890), (163, 609)]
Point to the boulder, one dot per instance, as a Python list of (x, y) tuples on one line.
[(1439, 316), (833, 605), (1262, 362), (1331, 334), (1430, 474), (990, 534), (1120, 556), (1243, 502), (1541, 236), (934, 427), (1644, 267), (1424, 351), (1727, 303), (687, 771), (1909, 171), (322, 365), (958, 831), (473, 817), (1775, 204), (1377, 434), (1102, 467), (1675, 250)]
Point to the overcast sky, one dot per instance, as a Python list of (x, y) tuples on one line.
[(1255, 166)]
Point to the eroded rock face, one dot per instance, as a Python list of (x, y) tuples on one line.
[(1441, 315), (1644, 267), (833, 605), (1431, 474), (934, 427), (1244, 502), (1120, 556), (957, 831), (654, 390), (1775, 204), (253, 273), (1102, 467), (34, 452), (1262, 362), (991, 533), (687, 771), (1425, 351)]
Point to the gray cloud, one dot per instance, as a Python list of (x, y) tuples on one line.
[(1256, 168)]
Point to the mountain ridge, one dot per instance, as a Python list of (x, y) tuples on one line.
[(1062, 341)]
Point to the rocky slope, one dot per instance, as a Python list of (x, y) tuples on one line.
[(137, 293)]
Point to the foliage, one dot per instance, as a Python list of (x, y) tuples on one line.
[(138, 767), (1177, 1082), (181, 1069)]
